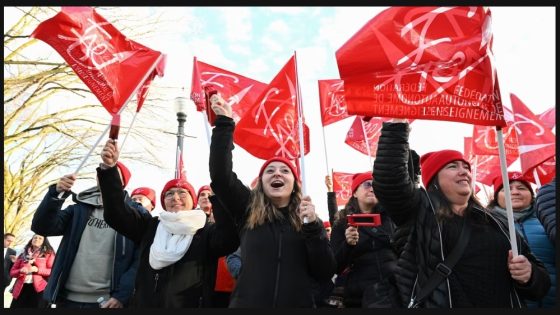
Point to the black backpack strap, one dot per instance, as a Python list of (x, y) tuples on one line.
[(444, 268)]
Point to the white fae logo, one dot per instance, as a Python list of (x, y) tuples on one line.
[(337, 106), (94, 46)]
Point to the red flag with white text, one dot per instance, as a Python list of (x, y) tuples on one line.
[(240, 91), (111, 65), (372, 128), (486, 138), (537, 143), (331, 101), (342, 187), (433, 63), (270, 127)]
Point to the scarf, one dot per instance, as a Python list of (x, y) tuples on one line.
[(174, 235), (518, 216)]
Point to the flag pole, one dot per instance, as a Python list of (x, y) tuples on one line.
[(206, 127), (128, 130), (505, 181), (120, 111), (367, 143), (301, 138), (474, 172)]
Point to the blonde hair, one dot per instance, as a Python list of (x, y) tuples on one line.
[(262, 210)]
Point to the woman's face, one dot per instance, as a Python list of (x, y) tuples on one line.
[(178, 199), (364, 193), (204, 201), (144, 201), (455, 180), (278, 183), (520, 196), (37, 241)]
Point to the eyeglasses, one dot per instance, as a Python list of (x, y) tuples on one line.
[(170, 193), (367, 184)]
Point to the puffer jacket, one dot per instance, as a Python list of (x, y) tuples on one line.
[(44, 265), (533, 232), (49, 220), (545, 204), (280, 265), (410, 208)]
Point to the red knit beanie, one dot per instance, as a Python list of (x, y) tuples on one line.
[(203, 188), (498, 183), (283, 160), (182, 183), (145, 191), (326, 224), (359, 178), (432, 162), (124, 172)]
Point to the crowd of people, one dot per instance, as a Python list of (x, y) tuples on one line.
[(413, 234)]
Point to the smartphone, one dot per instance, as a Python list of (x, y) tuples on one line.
[(364, 219), (209, 112)]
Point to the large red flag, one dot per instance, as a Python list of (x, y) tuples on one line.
[(331, 100), (270, 127), (111, 65), (342, 187), (488, 167), (240, 91), (545, 171), (536, 142), (423, 62)]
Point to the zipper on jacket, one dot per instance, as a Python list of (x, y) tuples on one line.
[(114, 261), (277, 283)]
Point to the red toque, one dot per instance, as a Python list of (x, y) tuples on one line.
[(432, 162), (145, 191), (179, 182), (512, 176), (359, 178), (283, 160), (124, 172)]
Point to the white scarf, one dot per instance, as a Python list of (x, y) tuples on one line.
[(174, 235)]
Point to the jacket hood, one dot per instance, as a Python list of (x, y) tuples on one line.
[(90, 196)]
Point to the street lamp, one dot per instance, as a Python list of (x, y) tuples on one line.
[(181, 110)]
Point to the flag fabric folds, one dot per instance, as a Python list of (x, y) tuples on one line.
[(331, 100), (342, 187), (111, 65), (432, 63), (240, 91), (270, 127)]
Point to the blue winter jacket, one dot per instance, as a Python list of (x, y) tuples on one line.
[(49, 220)]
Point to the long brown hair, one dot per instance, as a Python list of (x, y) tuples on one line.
[(442, 205), (262, 210)]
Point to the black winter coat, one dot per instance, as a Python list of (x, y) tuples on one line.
[(545, 205), (183, 284), (280, 265), (409, 207)]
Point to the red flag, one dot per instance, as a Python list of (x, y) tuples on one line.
[(486, 138), (331, 100), (143, 92), (536, 142), (110, 64), (270, 127), (488, 167), (548, 117), (430, 63), (182, 173), (342, 186), (545, 171), (467, 148), (240, 91), (355, 135)]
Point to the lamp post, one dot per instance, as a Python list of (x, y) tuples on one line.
[(181, 110)]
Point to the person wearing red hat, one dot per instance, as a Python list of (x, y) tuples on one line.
[(144, 196), (527, 223), (94, 260), (442, 221), (204, 202), (283, 256), (180, 248), (364, 254)]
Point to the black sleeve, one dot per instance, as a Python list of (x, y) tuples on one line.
[(120, 215), (225, 184), (545, 204), (333, 207), (224, 238), (392, 183), (319, 253), (49, 220), (342, 250)]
